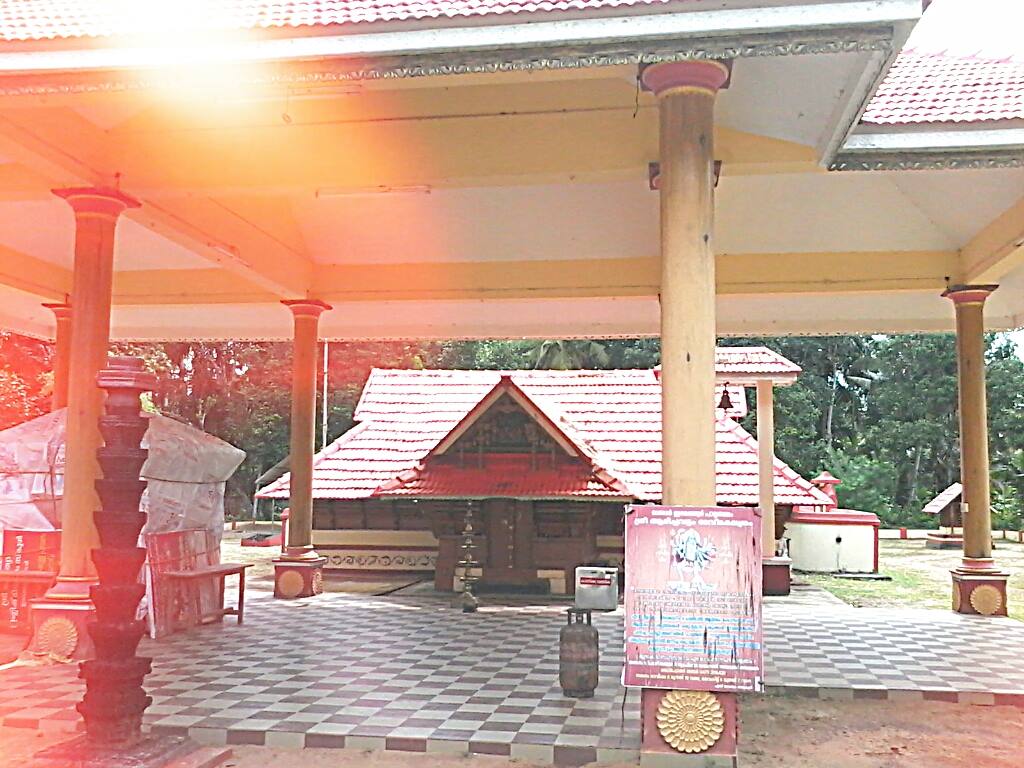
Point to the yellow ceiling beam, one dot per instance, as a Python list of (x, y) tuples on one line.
[(48, 281), (738, 274), (834, 272), (996, 250), (186, 286)]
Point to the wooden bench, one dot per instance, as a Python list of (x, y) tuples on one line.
[(221, 572), (187, 580)]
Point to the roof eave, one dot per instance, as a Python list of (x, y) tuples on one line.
[(934, 149), (811, 27)]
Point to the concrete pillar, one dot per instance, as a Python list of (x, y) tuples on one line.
[(66, 607), (686, 98), (299, 570), (979, 587), (61, 354)]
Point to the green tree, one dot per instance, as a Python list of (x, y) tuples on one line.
[(26, 381)]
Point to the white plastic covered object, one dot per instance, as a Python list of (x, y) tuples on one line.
[(186, 470)]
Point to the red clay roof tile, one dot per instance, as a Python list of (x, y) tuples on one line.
[(940, 88), (614, 416)]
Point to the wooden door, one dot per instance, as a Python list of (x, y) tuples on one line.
[(509, 528)]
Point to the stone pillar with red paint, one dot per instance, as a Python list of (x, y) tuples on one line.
[(298, 572), (686, 92), (979, 586)]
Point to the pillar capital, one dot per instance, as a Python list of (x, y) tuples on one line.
[(96, 201), (307, 307), (968, 294), (61, 310), (695, 74)]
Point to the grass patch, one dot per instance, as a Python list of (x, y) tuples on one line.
[(920, 577), (907, 588)]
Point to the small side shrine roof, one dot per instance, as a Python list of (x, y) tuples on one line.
[(944, 499), (612, 417)]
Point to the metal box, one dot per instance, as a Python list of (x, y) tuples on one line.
[(597, 588)]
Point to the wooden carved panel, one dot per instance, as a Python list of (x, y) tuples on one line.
[(505, 428)]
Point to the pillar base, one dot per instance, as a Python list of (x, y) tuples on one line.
[(59, 629), (979, 592), (298, 578), (719, 722), (939, 540), (776, 576)]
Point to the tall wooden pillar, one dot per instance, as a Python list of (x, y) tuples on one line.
[(686, 98), (299, 570), (59, 618), (775, 570), (979, 587), (61, 354)]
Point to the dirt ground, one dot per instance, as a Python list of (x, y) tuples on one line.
[(920, 577), (776, 733)]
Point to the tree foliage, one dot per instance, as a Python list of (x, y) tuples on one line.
[(880, 412), (26, 381)]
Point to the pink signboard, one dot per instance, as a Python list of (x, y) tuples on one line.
[(693, 598), (37, 551)]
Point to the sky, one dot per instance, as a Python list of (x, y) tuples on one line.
[(991, 28)]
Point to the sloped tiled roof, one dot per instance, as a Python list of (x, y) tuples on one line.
[(942, 88), (52, 19), (510, 475), (750, 362), (944, 499), (615, 416)]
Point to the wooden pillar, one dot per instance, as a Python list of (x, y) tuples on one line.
[(686, 98), (299, 571), (61, 354), (775, 570), (766, 464), (979, 587), (67, 606)]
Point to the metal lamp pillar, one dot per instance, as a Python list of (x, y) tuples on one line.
[(299, 570), (979, 587), (686, 97), (61, 354), (67, 605)]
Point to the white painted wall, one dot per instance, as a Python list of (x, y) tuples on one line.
[(813, 547)]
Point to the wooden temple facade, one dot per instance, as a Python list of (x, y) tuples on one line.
[(543, 461)]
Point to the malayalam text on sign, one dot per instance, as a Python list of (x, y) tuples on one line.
[(693, 598)]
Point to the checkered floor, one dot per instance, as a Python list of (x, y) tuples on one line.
[(413, 674)]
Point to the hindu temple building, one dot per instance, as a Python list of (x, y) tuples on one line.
[(545, 459)]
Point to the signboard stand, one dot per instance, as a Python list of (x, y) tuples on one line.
[(692, 627)]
